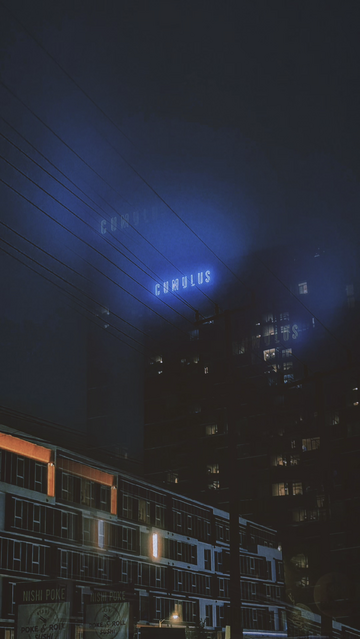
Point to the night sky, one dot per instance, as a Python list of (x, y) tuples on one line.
[(243, 117)]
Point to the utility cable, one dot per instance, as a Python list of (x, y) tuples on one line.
[(99, 176), (68, 293), (145, 181), (67, 282), (97, 213), (86, 243)]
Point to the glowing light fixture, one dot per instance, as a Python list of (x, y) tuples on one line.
[(155, 546)]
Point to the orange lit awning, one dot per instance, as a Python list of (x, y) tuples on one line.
[(87, 472), (24, 448)]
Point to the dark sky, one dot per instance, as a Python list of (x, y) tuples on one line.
[(242, 116)]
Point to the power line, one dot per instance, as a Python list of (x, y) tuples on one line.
[(63, 279), (90, 207), (67, 292), (175, 213), (87, 244), (115, 210)]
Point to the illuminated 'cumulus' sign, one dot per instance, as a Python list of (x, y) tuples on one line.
[(182, 283)]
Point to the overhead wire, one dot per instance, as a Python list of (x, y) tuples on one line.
[(86, 243), (69, 284), (145, 181), (158, 280), (96, 173), (113, 123), (99, 304)]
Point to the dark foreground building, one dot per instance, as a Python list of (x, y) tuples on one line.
[(83, 526), (283, 372)]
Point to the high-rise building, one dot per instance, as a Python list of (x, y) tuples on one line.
[(283, 366)]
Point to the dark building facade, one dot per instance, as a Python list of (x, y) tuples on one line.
[(284, 367), (67, 517)]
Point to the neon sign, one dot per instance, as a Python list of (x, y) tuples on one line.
[(182, 283)]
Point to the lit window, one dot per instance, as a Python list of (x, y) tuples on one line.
[(280, 490), (155, 545), (288, 378), (287, 366), (286, 352), (269, 354), (294, 460), (297, 488), (278, 460), (196, 360), (213, 469), (215, 485), (303, 288), (172, 478), (312, 443), (101, 533), (206, 370), (211, 429)]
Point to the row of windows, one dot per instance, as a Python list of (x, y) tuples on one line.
[(191, 525), (187, 519), (22, 556), (191, 582), (23, 472), (39, 518), (179, 550), (82, 491)]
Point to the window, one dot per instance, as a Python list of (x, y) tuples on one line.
[(18, 514), (101, 533), (211, 429), (268, 331), (207, 558), (220, 618), (20, 471), (284, 317), (144, 511), (124, 570), (87, 493), (208, 615), (269, 354), (104, 498), (300, 561), (312, 443), (280, 490), (287, 366), (303, 288), (172, 478), (297, 488), (87, 530), (206, 370), (286, 352), (215, 485), (213, 469), (38, 480), (159, 516), (294, 460), (279, 460)]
